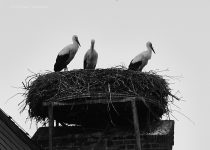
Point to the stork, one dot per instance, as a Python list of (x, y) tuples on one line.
[(141, 60), (91, 57), (66, 55)]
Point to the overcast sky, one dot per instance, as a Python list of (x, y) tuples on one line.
[(32, 32)]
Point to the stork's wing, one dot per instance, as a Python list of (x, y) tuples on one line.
[(85, 64), (95, 60), (61, 62), (134, 66)]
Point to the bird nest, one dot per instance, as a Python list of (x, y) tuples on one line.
[(113, 85)]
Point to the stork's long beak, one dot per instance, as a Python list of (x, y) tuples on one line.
[(152, 49), (78, 41)]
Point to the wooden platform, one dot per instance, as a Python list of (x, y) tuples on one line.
[(91, 101)]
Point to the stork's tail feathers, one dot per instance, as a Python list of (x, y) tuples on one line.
[(57, 68), (130, 67)]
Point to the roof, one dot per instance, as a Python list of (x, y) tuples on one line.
[(11, 135)]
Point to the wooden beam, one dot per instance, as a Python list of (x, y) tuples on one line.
[(51, 125), (136, 124), (68, 100), (92, 101)]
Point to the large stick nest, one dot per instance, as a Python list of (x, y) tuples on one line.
[(53, 86)]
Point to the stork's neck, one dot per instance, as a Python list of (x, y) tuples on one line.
[(149, 52), (75, 43), (92, 46)]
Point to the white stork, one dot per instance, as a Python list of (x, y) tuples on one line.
[(91, 57), (66, 55), (141, 59)]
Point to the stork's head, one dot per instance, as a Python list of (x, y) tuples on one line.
[(92, 42), (75, 38), (149, 46)]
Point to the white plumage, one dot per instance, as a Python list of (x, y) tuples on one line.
[(91, 57), (141, 60), (66, 55)]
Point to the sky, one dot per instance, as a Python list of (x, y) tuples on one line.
[(32, 32)]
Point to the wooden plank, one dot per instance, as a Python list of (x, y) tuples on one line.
[(92, 96), (51, 124), (136, 124), (96, 100), (92, 101)]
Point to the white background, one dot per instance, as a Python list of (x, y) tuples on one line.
[(33, 32)]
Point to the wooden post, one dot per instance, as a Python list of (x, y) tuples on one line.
[(51, 124), (136, 124)]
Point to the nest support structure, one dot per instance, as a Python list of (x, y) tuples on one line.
[(102, 112)]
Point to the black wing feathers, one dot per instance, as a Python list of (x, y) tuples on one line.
[(134, 66), (85, 64), (61, 62)]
